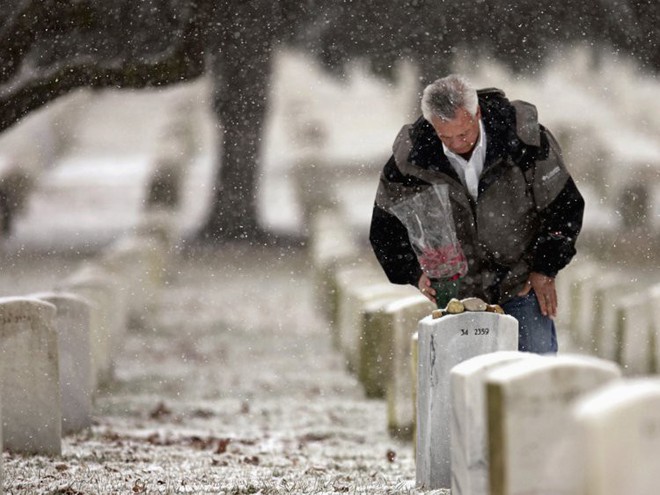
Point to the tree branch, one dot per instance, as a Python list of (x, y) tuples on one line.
[(33, 88)]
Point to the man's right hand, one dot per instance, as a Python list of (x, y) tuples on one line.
[(424, 286)]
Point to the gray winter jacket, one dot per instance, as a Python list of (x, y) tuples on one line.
[(527, 215)]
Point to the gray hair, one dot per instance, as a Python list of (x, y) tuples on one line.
[(444, 96)]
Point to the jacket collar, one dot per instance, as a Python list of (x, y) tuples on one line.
[(499, 119)]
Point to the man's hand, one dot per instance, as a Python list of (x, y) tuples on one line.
[(424, 285), (544, 287)]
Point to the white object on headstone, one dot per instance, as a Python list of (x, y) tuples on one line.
[(618, 432), (443, 343), (469, 424), (72, 323), (529, 406), (29, 369), (635, 333)]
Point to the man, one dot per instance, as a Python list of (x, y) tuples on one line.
[(516, 209)]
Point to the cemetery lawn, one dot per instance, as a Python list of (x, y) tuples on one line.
[(230, 386)]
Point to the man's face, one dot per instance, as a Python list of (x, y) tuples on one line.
[(459, 134)]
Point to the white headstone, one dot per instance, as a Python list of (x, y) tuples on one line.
[(604, 340), (569, 284), (108, 321), (130, 259), (618, 431), (655, 321), (72, 323), (529, 405), (469, 439), (589, 306), (354, 298), (400, 384), (345, 279), (2, 473), (443, 343), (29, 368), (636, 333)]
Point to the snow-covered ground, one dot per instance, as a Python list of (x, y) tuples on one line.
[(234, 386)]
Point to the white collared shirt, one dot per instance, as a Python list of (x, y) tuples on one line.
[(470, 170)]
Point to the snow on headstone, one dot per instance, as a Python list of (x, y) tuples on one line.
[(29, 369), (72, 323), (443, 343), (529, 404), (469, 439), (618, 438)]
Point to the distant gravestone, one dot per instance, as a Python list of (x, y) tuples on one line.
[(618, 431), (108, 321), (573, 301), (604, 340), (29, 368), (129, 259), (529, 406), (443, 343), (72, 323), (469, 438), (353, 301), (400, 385), (345, 280), (635, 334), (382, 320)]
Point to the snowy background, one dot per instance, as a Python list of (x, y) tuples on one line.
[(234, 386)]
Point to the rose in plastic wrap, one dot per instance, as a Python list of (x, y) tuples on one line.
[(428, 219)]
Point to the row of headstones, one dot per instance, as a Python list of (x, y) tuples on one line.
[(492, 420), (611, 315), (372, 320), (58, 347), (377, 327)]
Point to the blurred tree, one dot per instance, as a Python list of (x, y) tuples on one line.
[(49, 47)]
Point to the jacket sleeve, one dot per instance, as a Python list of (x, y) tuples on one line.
[(389, 238), (560, 208)]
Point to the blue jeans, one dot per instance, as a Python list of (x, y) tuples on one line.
[(537, 333)]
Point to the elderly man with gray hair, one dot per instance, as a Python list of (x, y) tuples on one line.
[(516, 210)]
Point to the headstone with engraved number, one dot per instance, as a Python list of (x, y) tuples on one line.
[(443, 343)]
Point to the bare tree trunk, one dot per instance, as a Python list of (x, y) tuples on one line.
[(242, 71), (241, 108)]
